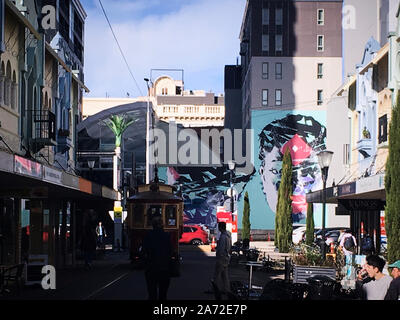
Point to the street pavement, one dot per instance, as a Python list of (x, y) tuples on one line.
[(113, 278)]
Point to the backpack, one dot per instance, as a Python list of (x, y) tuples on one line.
[(367, 244), (349, 243)]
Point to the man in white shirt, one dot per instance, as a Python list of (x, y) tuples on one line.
[(221, 276), (376, 288)]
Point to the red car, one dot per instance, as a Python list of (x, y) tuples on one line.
[(194, 234)]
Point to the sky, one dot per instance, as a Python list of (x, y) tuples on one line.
[(198, 36)]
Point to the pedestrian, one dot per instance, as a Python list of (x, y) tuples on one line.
[(378, 287), (393, 292), (157, 253), (223, 250), (348, 245), (101, 234), (367, 245), (88, 245)]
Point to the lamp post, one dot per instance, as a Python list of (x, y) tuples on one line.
[(324, 160), (148, 133), (91, 166), (231, 165)]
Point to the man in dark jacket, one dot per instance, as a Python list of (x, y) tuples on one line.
[(157, 253)]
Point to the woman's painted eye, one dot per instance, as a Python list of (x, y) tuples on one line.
[(274, 171)]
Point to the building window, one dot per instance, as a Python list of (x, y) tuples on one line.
[(320, 71), (279, 16), (321, 17), (319, 97), (265, 97), (265, 16), (265, 42), (278, 71), (278, 43), (320, 43), (265, 70), (346, 154), (278, 97), (164, 91), (382, 129)]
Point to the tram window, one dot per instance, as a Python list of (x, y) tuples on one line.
[(170, 215), (152, 211), (138, 215)]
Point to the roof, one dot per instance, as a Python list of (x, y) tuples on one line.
[(379, 55)]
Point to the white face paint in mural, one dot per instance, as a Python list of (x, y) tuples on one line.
[(270, 175)]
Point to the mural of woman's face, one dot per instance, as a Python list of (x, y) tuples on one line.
[(270, 172), (303, 146)]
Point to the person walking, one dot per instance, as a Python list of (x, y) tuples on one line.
[(393, 292), (157, 256), (88, 245), (377, 288), (348, 245), (101, 234), (223, 250)]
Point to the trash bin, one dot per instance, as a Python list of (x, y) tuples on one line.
[(322, 287)]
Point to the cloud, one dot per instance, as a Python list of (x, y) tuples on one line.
[(198, 36)]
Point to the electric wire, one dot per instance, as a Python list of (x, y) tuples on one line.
[(120, 49)]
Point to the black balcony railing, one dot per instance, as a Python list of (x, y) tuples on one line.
[(44, 124)]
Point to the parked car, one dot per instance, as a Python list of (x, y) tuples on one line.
[(194, 234)]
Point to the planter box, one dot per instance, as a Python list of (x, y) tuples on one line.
[(302, 273)]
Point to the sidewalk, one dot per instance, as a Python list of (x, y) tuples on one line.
[(77, 281)]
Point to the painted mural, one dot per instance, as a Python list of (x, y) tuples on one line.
[(304, 134), (204, 188)]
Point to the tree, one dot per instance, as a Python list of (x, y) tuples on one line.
[(284, 228), (246, 218), (118, 124), (310, 224), (392, 186)]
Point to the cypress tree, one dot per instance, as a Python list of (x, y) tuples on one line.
[(310, 224), (246, 218), (392, 186), (284, 205)]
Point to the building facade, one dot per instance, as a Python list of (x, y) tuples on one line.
[(43, 201)]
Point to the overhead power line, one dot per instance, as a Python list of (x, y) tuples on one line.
[(120, 49)]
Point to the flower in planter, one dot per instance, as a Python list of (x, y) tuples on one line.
[(366, 133)]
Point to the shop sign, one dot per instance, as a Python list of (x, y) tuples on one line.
[(370, 184), (349, 188), (52, 175), (27, 167)]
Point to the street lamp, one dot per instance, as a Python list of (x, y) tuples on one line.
[(148, 133), (91, 166), (324, 160), (231, 165)]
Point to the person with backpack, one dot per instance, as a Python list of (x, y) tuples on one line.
[(348, 244), (367, 245)]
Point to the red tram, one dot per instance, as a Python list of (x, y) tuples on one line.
[(150, 200)]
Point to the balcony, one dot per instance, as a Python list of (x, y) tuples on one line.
[(364, 146), (64, 142), (44, 122)]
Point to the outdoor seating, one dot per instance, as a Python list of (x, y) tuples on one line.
[(13, 275)]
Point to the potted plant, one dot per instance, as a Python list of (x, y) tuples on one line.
[(308, 262), (366, 133)]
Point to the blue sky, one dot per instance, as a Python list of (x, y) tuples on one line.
[(198, 36)]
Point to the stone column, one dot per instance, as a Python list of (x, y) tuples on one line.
[(2, 79)]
